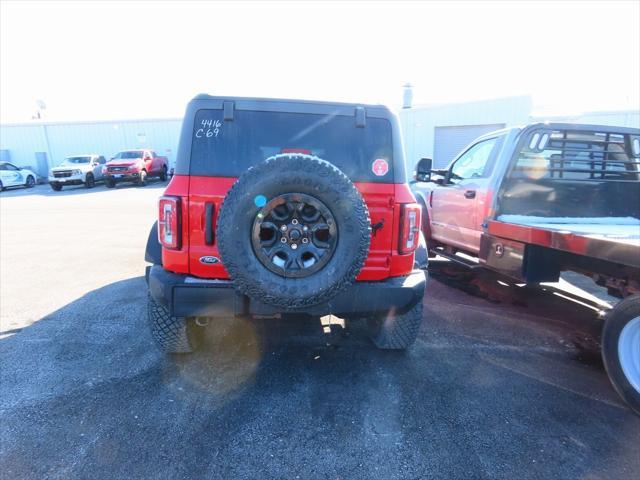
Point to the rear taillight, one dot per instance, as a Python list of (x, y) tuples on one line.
[(409, 227), (169, 222)]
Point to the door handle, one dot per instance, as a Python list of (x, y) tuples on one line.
[(470, 194)]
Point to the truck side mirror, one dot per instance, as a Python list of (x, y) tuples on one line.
[(423, 170)]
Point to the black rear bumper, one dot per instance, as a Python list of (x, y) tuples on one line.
[(187, 296)]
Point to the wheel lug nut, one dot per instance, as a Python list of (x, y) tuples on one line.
[(294, 221), (305, 228), (294, 245), (305, 240), (283, 240), (283, 228)]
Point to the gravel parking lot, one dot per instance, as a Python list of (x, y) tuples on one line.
[(503, 382)]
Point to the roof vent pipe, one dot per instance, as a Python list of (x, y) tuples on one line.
[(407, 96)]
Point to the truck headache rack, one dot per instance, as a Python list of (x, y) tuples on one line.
[(580, 156)]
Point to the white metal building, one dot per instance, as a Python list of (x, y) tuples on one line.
[(442, 131)]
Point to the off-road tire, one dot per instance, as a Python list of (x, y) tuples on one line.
[(110, 183), (56, 187), (396, 332), (615, 321), (89, 181), (172, 334), (142, 178), (284, 174)]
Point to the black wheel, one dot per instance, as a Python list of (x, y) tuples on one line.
[(163, 174), (396, 332), (1, 186), (56, 187), (109, 182), (89, 181), (293, 231), (142, 179), (621, 349), (31, 182), (172, 334)]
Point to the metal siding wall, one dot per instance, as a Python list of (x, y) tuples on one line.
[(105, 138), (418, 124), (22, 141), (629, 119)]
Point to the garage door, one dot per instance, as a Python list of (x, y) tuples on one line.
[(449, 141)]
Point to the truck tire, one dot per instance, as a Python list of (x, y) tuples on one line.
[(621, 349), (56, 187), (396, 332), (172, 334), (89, 181), (304, 264), (163, 174), (109, 182)]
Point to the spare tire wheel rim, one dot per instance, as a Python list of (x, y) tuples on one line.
[(294, 235), (629, 352)]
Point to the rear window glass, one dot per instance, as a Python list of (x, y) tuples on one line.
[(227, 149)]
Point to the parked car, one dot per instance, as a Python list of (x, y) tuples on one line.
[(77, 170), (135, 166), (13, 176), (531, 202), (281, 207)]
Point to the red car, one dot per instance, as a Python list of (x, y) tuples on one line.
[(135, 166)]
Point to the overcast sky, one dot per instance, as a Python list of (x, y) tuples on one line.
[(91, 60)]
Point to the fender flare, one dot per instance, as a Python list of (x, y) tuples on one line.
[(153, 252)]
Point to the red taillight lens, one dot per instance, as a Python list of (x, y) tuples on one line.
[(169, 222), (410, 227)]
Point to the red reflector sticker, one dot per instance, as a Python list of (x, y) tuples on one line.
[(380, 167)]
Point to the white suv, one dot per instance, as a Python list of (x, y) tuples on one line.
[(77, 170)]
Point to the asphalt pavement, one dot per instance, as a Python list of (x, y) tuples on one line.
[(503, 382)]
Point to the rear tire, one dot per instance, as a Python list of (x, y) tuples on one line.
[(31, 182), (163, 174), (396, 332), (172, 334), (56, 187), (621, 349)]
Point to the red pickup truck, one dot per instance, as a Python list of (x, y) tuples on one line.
[(135, 166)]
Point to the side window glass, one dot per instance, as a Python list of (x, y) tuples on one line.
[(101, 160), (473, 163), (10, 167)]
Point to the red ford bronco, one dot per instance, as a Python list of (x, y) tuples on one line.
[(281, 207)]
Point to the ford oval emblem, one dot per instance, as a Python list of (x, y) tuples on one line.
[(209, 260)]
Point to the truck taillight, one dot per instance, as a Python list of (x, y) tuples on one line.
[(410, 220), (169, 222)]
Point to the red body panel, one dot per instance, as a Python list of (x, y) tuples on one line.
[(383, 200)]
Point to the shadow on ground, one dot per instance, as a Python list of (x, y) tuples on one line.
[(488, 391)]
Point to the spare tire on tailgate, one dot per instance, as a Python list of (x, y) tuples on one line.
[(293, 231)]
